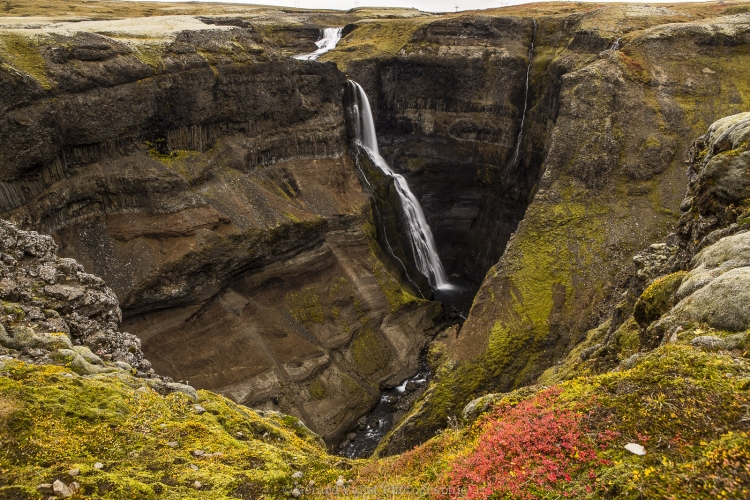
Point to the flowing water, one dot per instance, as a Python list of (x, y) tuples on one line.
[(526, 96), (331, 37), (519, 138), (420, 236), (376, 424)]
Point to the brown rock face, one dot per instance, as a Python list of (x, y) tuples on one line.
[(210, 185)]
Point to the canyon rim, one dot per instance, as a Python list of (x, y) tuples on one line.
[(259, 252)]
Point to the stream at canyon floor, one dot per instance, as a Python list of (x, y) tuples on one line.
[(372, 427)]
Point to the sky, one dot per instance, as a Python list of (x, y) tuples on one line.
[(425, 5)]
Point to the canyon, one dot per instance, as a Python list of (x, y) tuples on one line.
[(260, 242)]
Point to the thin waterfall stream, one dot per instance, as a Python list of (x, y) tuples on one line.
[(519, 138), (526, 95)]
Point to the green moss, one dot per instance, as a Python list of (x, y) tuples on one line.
[(626, 339), (368, 352), (373, 38), (22, 53), (568, 238), (305, 307), (317, 389), (173, 159), (149, 53), (13, 309), (54, 421), (657, 298)]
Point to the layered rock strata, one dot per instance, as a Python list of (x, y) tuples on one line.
[(207, 180)]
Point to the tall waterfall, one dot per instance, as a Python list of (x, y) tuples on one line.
[(331, 37), (526, 96), (420, 236)]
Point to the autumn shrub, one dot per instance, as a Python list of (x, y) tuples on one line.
[(536, 447)]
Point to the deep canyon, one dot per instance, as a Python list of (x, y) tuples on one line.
[(217, 185)]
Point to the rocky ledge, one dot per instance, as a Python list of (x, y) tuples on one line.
[(53, 312)]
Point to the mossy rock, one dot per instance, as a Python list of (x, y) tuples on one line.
[(657, 298), (52, 421)]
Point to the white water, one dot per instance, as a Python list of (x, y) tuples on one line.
[(526, 96), (616, 45), (420, 236), (331, 37)]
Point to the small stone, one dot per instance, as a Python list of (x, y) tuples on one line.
[(60, 489), (74, 486), (239, 435), (296, 493), (351, 436), (297, 475), (198, 453), (45, 489), (708, 342), (199, 409), (340, 482), (635, 448), (74, 472), (194, 467), (311, 483), (197, 485), (98, 466), (172, 444)]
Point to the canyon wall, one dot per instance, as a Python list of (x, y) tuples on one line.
[(615, 96), (613, 179), (208, 181)]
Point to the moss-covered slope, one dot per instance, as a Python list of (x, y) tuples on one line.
[(122, 439)]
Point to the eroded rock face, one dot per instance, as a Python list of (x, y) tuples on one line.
[(209, 183), (610, 184)]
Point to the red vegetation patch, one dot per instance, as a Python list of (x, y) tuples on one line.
[(527, 450)]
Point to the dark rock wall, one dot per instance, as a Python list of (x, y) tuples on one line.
[(207, 180), (448, 114)]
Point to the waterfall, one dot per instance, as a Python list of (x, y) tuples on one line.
[(420, 235), (526, 96), (519, 139), (615, 46), (331, 37)]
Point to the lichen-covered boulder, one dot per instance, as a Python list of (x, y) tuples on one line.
[(52, 311), (728, 253), (723, 304)]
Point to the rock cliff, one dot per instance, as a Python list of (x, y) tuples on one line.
[(208, 181), (613, 94), (207, 177)]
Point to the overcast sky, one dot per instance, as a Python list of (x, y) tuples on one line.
[(426, 5)]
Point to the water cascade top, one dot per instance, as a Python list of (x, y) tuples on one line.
[(420, 235), (331, 37)]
